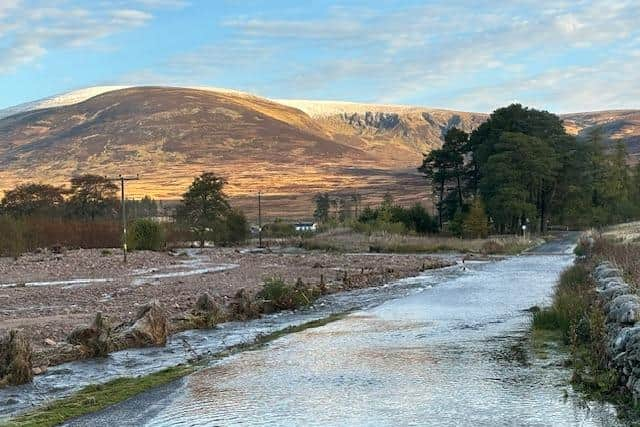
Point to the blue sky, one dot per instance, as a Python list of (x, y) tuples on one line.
[(564, 56)]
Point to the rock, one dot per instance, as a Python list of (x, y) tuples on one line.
[(95, 337), (37, 371), (603, 265), (149, 327), (624, 309), (50, 342), (611, 281), (207, 312), (15, 359), (608, 272), (205, 303), (626, 335), (613, 292), (243, 306)]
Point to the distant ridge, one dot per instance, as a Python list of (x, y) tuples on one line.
[(292, 149)]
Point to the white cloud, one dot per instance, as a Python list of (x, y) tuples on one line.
[(28, 30), (498, 51)]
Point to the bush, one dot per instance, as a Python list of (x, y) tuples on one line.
[(396, 219), (287, 297), (279, 228), (233, 229), (146, 234)]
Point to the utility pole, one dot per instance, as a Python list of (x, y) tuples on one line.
[(259, 221), (123, 208)]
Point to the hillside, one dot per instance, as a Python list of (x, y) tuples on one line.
[(622, 125), (289, 149), (169, 135)]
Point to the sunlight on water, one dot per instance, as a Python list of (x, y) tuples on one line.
[(439, 357)]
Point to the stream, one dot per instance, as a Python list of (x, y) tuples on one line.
[(447, 347)]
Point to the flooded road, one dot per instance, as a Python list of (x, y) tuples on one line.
[(450, 352)]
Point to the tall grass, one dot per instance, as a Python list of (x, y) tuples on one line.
[(576, 314), (624, 255), (24, 235), (43, 232), (572, 301), (12, 239), (29, 234), (346, 240)]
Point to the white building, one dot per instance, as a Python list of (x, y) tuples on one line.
[(306, 226)]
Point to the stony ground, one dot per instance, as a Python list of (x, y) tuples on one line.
[(49, 312)]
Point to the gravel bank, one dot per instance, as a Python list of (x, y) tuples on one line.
[(47, 295)]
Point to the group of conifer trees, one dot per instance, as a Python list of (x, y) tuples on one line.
[(523, 168)]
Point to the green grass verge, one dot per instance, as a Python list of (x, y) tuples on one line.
[(544, 341), (94, 398)]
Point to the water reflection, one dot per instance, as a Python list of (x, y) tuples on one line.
[(451, 355)]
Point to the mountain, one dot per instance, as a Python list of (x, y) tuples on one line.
[(288, 149), (616, 125)]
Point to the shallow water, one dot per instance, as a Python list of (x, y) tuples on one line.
[(451, 352), (62, 380), (444, 348)]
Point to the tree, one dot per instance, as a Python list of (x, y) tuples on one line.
[(476, 224), (434, 167), (635, 185), (445, 170), (323, 207), (203, 205), (237, 227), (516, 158), (143, 208), (356, 199), (420, 220), (455, 145), (92, 196), (518, 179), (33, 199), (345, 209)]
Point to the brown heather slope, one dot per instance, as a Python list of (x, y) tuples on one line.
[(288, 149), (616, 125), (170, 135)]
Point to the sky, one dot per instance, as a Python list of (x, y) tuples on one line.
[(563, 56)]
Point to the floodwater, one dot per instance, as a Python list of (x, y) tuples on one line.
[(448, 350), (63, 380)]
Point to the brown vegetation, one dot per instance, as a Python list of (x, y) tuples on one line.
[(15, 359), (260, 143), (31, 234), (624, 255), (346, 240)]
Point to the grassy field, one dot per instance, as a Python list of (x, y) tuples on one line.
[(347, 240)]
